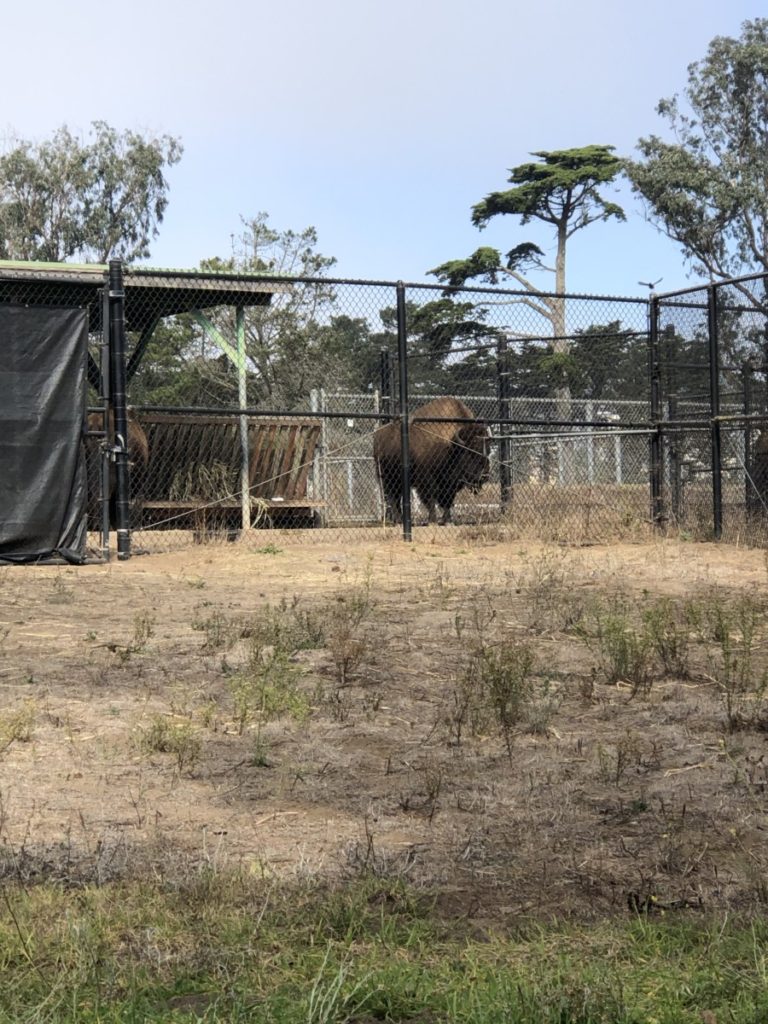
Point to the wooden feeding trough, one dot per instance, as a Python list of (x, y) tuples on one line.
[(195, 472)]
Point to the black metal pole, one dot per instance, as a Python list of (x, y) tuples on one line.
[(673, 445), (714, 412), (118, 399), (505, 470), (749, 494), (405, 448), (656, 453)]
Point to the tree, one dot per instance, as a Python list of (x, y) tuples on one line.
[(707, 189), (103, 199), (561, 189), (281, 339)]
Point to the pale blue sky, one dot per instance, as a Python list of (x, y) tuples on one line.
[(380, 124)]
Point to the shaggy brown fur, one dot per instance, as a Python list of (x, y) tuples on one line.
[(445, 457)]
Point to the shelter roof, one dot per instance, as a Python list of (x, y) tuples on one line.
[(150, 294)]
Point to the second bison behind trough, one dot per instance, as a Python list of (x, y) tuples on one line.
[(445, 455)]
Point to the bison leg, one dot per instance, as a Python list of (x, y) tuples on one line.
[(394, 513)]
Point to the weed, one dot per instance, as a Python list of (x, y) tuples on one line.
[(629, 752), (220, 631), (62, 592), (668, 635), (346, 631), (287, 626), (624, 651), (545, 583), (424, 799), (143, 629), (178, 738), (266, 689), (500, 676), (268, 549), (541, 709), (18, 724)]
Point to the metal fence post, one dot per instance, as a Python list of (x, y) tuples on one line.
[(714, 412), (746, 382), (405, 451), (118, 399), (676, 479), (242, 394), (505, 470), (656, 454)]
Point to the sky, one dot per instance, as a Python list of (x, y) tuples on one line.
[(379, 124)]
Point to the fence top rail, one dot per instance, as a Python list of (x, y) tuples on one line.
[(706, 285), (205, 421)]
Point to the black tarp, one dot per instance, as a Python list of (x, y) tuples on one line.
[(43, 358)]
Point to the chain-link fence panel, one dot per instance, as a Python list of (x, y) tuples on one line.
[(559, 383), (711, 348), (232, 382)]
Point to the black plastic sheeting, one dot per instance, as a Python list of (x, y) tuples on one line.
[(43, 358)]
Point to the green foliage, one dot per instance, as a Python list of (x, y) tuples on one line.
[(295, 344), (266, 689), (624, 648), (143, 951), (668, 632), (706, 189), (168, 737), (562, 190), (65, 198)]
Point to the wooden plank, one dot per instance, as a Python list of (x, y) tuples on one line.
[(311, 437)]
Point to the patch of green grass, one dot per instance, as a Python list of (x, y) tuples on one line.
[(232, 948)]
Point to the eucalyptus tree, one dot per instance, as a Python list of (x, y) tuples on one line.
[(707, 187), (90, 200)]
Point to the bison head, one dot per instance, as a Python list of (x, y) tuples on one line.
[(474, 462)]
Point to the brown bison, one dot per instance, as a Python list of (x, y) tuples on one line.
[(445, 457), (138, 458)]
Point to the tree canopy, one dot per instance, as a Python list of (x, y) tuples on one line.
[(65, 198), (707, 188), (560, 189)]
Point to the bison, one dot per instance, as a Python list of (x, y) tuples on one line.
[(138, 459), (445, 456)]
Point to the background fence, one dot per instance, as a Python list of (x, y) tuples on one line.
[(276, 403)]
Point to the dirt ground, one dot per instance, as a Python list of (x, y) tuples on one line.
[(602, 801)]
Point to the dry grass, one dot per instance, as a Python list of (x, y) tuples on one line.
[(446, 711)]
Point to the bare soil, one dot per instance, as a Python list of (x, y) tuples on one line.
[(605, 801)]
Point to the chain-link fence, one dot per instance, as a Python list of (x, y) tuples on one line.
[(277, 404), (276, 407), (710, 402)]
